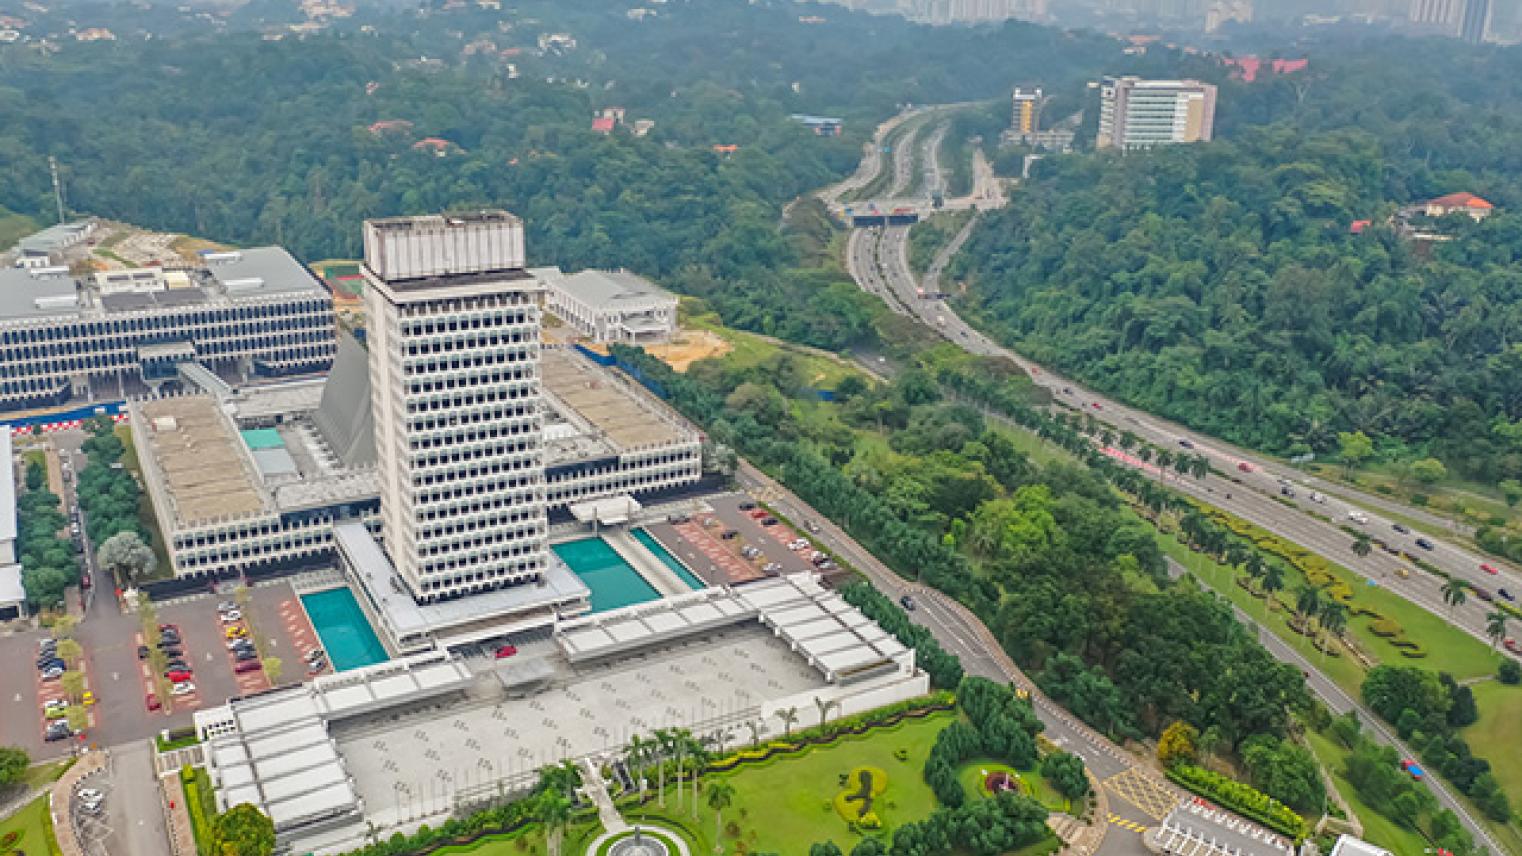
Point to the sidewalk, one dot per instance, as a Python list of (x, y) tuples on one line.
[(59, 799)]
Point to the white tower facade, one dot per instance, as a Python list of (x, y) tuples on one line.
[(454, 339)]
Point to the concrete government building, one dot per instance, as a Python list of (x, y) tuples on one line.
[(245, 314)]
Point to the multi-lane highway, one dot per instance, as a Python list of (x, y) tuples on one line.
[(877, 259)]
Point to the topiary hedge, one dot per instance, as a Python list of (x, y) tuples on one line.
[(1243, 799)]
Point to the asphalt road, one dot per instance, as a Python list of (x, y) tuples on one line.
[(1340, 702), (877, 258), (956, 636)]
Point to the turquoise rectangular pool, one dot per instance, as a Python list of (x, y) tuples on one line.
[(654, 546), (346, 634), (613, 583)]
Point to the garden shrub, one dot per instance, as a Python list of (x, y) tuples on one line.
[(1240, 798)]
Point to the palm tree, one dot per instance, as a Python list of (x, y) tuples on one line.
[(720, 796), (789, 717), (1273, 580), (1495, 627), (1183, 465), (1454, 594), (755, 726), (1361, 546), (1127, 441), (1256, 568), (553, 810), (1164, 461), (824, 708), (1307, 603), (1144, 454), (1200, 467), (1334, 619), (638, 752)]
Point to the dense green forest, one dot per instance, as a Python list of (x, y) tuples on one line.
[(1222, 285), (245, 140)]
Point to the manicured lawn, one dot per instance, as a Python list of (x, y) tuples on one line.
[(1497, 737), (529, 841), (1377, 829), (975, 771), (785, 805), (35, 826), (38, 775)]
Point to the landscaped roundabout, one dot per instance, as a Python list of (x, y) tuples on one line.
[(640, 841)]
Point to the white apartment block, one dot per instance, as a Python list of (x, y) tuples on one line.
[(610, 306), (1138, 114), (453, 324), (247, 314)]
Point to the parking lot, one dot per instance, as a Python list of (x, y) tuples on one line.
[(120, 681), (699, 543)]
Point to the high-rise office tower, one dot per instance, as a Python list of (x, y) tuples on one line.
[(453, 335), (1474, 26), (1027, 113), (1440, 14), (1137, 114)]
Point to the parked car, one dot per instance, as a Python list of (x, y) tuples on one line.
[(247, 666), (747, 505), (771, 568), (169, 628), (243, 654), (758, 513), (502, 653), (316, 654), (54, 734), (142, 652), (235, 644), (729, 534), (168, 640), (54, 709), (174, 652), (231, 616), (89, 795), (1399, 528), (1184, 441), (236, 631), (1424, 543), (1506, 595), (183, 688), (827, 565), (178, 676), (53, 673), (769, 521), (151, 701)]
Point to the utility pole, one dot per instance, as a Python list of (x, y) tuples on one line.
[(57, 186)]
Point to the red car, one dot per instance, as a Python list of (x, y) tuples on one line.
[(247, 666), (506, 651), (1489, 569), (152, 701), (1098, 406), (1512, 646), (178, 676), (1244, 467), (758, 513)]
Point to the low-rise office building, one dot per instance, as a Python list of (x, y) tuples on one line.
[(246, 314), (610, 306), (253, 480)]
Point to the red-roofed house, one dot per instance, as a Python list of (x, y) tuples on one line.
[(1358, 226), (438, 146), (603, 124), (726, 150), (1244, 68), (386, 125), (1458, 203), (1290, 66)]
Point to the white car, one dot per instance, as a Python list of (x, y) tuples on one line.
[(1358, 517), (183, 688), (89, 795), (231, 616)]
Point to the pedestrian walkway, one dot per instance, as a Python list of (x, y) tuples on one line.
[(1124, 823), (1144, 791), (60, 798), (182, 838), (596, 790), (653, 570)]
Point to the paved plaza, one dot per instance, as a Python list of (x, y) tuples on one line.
[(413, 766)]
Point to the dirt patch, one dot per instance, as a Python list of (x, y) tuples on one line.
[(689, 347)]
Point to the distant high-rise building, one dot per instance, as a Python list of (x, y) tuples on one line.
[(972, 11), (1222, 12), (453, 333), (1474, 27), (1027, 118), (1437, 14), (1138, 114)]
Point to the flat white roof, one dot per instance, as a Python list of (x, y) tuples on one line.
[(7, 487), (407, 617)]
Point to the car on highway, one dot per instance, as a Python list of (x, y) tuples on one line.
[(1287, 491), (1413, 768), (1506, 595), (1512, 646), (1244, 466), (769, 521), (729, 534), (757, 513), (746, 506), (907, 602), (1484, 595), (1488, 568), (1424, 543), (1185, 442), (1358, 517), (1096, 405), (1399, 528)]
